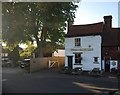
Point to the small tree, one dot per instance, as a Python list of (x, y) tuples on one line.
[(14, 55)]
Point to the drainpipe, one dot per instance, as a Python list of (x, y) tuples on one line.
[(101, 64), (110, 64)]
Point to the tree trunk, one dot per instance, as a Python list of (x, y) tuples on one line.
[(40, 50), (41, 43), (39, 47)]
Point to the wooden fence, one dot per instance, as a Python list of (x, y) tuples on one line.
[(46, 63)]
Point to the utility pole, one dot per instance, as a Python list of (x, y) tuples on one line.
[(118, 71)]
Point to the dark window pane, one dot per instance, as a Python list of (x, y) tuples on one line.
[(77, 41), (78, 58)]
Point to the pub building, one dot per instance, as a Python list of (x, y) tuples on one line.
[(92, 46)]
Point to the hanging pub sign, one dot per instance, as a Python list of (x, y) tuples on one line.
[(82, 49)]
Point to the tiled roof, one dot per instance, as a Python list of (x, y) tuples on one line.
[(82, 30), (111, 37)]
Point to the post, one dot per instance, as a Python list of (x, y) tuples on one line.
[(33, 55), (119, 46), (49, 64), (0, 47), (118, 71)]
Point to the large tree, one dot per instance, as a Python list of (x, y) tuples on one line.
[(43, 22)]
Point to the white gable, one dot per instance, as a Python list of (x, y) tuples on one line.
[(89, 49)]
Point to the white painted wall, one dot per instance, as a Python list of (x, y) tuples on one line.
[(111, 64), (59, 52), (87, 61), (103, 65)]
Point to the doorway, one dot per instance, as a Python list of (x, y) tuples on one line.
[(70, 61), (107, 64)]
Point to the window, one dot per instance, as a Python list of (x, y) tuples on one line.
[(95, 59), (78, 58), (77, 42)]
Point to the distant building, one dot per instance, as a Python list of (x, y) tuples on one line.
[(92, 45), (5, 53), (59, 53)]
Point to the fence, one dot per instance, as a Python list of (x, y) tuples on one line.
[(46, 63)]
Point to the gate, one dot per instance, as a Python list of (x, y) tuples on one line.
[(53, 64)]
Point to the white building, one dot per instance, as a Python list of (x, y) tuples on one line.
[(89, 46), (59, 53), (83, 51)]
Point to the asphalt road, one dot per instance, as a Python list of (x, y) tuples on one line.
[(17, 80)]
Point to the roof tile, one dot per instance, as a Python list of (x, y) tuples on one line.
[(81, 30)]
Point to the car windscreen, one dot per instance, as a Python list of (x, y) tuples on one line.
[(26, 61)]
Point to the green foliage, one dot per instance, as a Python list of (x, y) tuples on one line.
[(27, 53), (13, 22), (43, 22)]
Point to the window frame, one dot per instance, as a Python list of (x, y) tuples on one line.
[(95, 60), (78, 59), (77, 42)]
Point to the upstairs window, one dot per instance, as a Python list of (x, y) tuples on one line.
[(77, 42)]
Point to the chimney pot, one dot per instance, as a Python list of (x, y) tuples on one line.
[(108, 21)]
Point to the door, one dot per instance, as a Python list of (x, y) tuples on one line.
[(107, 64), (70, 60)]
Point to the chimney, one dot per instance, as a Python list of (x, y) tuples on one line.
[(69, 24), (108, 22)]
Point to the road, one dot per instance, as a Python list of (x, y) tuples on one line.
[(17, 80)]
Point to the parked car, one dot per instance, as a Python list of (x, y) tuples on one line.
[(25, 63)]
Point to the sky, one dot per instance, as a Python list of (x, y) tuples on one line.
[(91, 11)]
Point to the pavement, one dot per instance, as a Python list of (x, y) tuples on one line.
[(17, 80)]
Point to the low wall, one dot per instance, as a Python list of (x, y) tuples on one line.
[(42, 63)]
